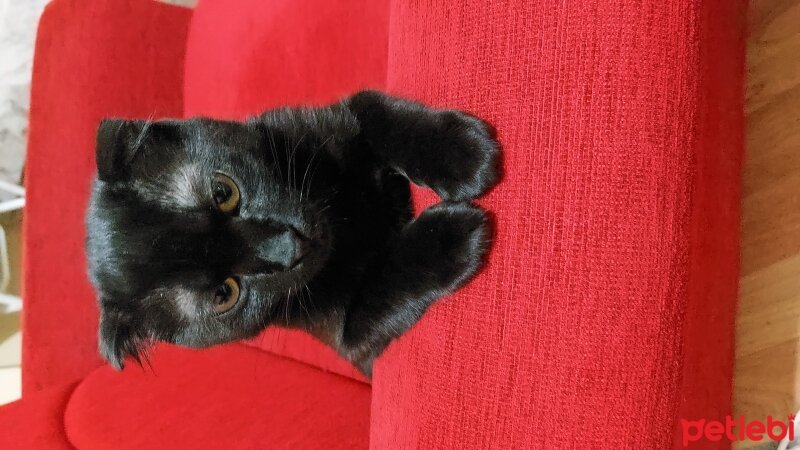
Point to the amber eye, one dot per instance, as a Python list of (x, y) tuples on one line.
[(226, 296), (225, 193)]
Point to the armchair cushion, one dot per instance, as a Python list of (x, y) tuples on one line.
[(226, 397)]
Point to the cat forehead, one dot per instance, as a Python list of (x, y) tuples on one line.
[(187, 186), (124, 227), (184, 187)]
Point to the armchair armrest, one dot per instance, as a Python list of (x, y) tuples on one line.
[(95, 59), (605, 314)]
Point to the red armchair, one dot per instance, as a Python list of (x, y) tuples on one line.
[(605, 313)]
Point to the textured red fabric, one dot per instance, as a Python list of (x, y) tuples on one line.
[(37, 422), (258, 55), (227, 397), (93, 59), (576, 334), (605, 313)]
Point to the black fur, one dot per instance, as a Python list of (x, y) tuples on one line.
[(332, 179)]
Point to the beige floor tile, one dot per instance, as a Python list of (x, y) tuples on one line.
[(11, 350), (10, 384)]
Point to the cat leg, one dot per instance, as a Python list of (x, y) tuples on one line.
[(449, 151), (434, 255)]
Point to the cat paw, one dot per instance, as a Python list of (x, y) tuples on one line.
[(451, 240), (465, 163)]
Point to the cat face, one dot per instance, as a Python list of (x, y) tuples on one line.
[(198, 231)]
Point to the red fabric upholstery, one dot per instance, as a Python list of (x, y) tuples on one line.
[(605, 313), (36, 422), (260, 55), (599, 278), (226, 397), (93, 59), (242, 60)]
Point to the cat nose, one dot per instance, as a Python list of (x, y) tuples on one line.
[(266, 247), (284, 250)]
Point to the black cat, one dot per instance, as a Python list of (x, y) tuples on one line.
[(202, 232)]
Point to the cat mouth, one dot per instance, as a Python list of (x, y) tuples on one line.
[(308, 251), (296, 265), (304, 245), (313, 251)]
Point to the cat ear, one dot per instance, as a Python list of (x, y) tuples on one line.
[(117, 143), (118, 338)]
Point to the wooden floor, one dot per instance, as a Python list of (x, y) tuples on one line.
[(767, 380)]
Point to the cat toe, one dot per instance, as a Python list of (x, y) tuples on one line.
[(455, 237), (468, 161)]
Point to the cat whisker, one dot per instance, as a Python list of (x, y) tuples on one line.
[(287, 304), (310, 301), (142, 133), (292, 164), (274, 150), (305, 174), (311, 160), (301, 301)]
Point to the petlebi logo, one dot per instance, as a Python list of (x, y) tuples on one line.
[(737, 429)]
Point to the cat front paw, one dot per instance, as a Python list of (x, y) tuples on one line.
[(465, 163), (451, 241)]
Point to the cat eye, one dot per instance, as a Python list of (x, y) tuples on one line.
[(225, 193), (226, 296)]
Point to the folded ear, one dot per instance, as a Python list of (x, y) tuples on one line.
[(119, 337), (117, 143)]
